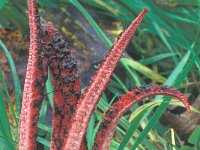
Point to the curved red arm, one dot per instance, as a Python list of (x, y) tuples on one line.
[(115, 112)]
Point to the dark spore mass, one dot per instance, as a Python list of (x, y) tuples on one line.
[(58, 111), (105, 124), (165, 87)]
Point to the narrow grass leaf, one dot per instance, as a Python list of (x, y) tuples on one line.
[(197, 143), (132, 73), (49, 89), (8, 96), (132, 128), (156, 58), (5, 128), (194, 136), (163, 38), (120, 83), (90, 132), (143, 70), (43, 142), (15, 76), (182, 19), (112, 9), (44, 127), (6, 139), (48, 3), (186, 2), (92, 22), (43, 111), (18, 18)]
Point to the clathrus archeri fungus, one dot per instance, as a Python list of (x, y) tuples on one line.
[(72, 111)]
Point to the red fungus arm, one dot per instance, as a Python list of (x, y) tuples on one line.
[(34, 86), (115, 112), (66, 84), (99, 82), (47, 49)]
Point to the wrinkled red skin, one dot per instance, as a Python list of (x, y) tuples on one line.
[(49, 50), (66, 84), (33, 88), (89, 100), (115, 112)]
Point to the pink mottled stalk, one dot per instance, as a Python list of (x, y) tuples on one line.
[(66, 83), (115, 112), (31, 96), (102, 77)]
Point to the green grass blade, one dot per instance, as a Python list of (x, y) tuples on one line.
[(44, 127), (132, 128), (4, 139), (92, 22), (8, 96), (133, 75), (183, 19), (15, 76), (49, 89), (186, 2), (163, 38), (120, 83), (43, 142), (180, 69), (43, 111), (90, 132), (143, 69), (5, 129), (156, 58)]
